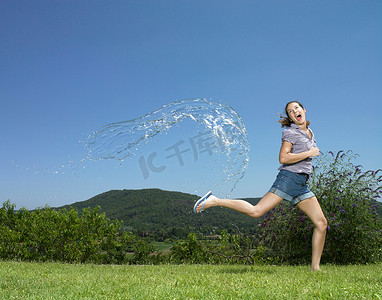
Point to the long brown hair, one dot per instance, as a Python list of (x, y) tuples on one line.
[(286, 121)]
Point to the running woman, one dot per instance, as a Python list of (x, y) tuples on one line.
[(297, 149)]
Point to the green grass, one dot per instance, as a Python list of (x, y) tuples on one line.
[(163, 246), (19, 280)]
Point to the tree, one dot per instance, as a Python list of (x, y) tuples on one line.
[(46, 234)]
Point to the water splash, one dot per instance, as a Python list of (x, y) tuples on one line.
[(123, 140)]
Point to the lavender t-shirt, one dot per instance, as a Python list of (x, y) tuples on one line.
[(301, 142)]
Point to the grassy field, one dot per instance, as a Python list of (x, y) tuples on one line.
[(19, 280), (163, 247)]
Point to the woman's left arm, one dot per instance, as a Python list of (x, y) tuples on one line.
[(286, 157)]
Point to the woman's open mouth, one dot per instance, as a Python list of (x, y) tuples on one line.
[(298, 117)]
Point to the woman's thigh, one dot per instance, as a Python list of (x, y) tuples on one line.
[(313, 210)]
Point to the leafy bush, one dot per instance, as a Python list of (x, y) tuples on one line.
[(65, 235), (190, 250), (237, 248), (347, 196), (224, 249)]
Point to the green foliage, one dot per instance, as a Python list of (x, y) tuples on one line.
[(223, 249), (348, 199), (160, 214), (142, 252), (46, 234), (236, 249), (189, 251)]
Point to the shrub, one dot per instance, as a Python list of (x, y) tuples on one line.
[(236, 248), (348, 197), (224, 249), (66, 236), (190, 250)]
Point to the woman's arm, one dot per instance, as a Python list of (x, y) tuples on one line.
[(286, 157)]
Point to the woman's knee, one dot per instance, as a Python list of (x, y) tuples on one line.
[(256, 212), (322, 224)]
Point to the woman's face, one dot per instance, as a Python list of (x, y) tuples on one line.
[(296, 113)]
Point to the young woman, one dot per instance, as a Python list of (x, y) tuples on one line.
[(297, 149)]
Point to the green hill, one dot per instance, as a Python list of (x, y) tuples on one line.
[(166, 213), (155, 210)]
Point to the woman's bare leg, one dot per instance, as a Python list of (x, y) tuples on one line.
[(312, 209), (266, 203)]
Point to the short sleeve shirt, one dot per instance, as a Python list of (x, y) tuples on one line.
[(301, 142)]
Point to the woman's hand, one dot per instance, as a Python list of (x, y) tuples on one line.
[(314, 151)]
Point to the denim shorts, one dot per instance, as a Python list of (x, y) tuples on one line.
[(291, 186)]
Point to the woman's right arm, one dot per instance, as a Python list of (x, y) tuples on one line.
[(286, 157)]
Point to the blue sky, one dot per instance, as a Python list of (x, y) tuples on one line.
[(69, 67)]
